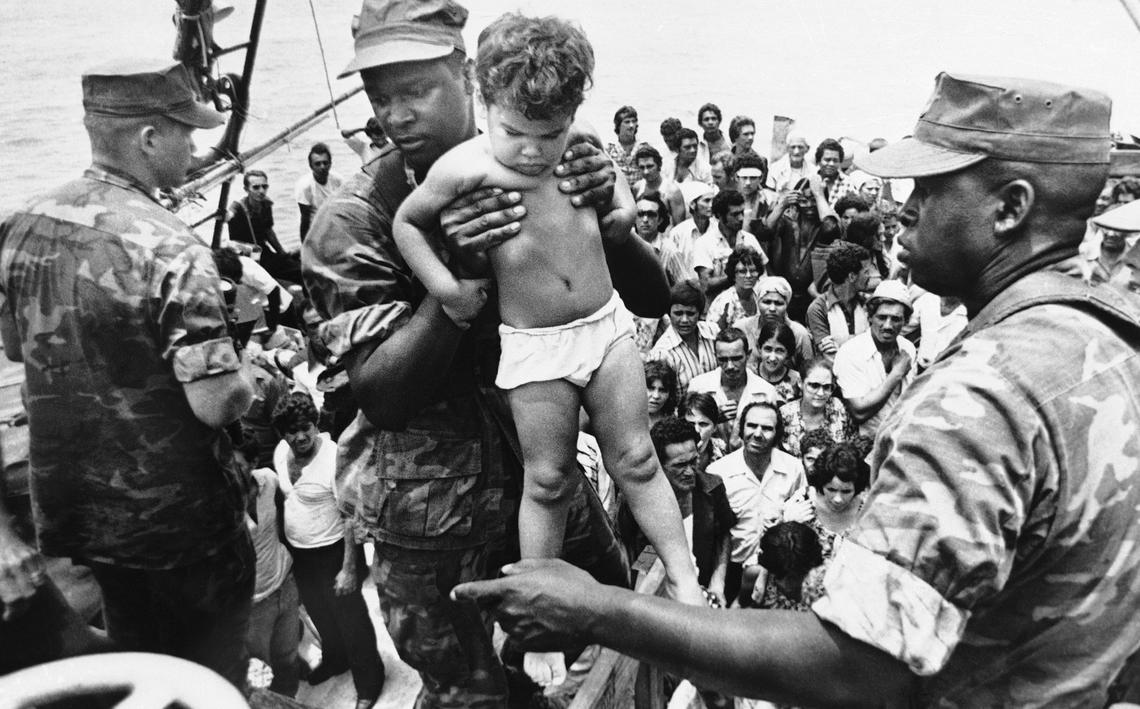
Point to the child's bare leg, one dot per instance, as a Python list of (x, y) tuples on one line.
[(615, 400), (546, 416)]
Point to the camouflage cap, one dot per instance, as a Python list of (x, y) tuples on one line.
[(971, 118), (146, 87), (391, 31)]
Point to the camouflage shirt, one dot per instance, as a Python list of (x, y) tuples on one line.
[(438, 483), (117, 305), (997, 555)]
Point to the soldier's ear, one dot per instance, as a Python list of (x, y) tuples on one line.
[(147, 138), (1016, 200)]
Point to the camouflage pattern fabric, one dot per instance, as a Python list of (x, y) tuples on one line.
[(448, 644), (998, 552), (438, 483), (117, 305)]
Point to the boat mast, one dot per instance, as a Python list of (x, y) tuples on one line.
[(195, 48)]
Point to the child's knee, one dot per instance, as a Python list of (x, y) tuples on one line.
[(548, 486), (634, 463)]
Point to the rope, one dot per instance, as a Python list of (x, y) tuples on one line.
[(324, 62)]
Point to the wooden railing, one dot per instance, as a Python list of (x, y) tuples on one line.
[(617, 681)]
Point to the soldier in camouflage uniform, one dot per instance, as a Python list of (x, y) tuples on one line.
[(115, 309), (997, 561), (431, 467)]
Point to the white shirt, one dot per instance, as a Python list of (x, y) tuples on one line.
[(755, 389), (699, 171), (859, 369), (757, 502), (784, 177), (937, 330), (310, 193), (312, 518), (712, 250), (685, 236)]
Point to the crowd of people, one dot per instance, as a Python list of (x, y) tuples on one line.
[(848, 408)]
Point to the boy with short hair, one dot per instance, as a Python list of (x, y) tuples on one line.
[(566, 336)]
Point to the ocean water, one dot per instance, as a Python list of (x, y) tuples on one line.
[(838, 67)]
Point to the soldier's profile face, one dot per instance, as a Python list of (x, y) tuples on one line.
[(175, 152), (948, 231)]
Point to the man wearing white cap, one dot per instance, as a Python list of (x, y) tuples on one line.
[(873, 367), (698, 200), (1117, 260), (997, 558)]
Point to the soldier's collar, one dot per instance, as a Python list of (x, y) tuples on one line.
[(114, 176)]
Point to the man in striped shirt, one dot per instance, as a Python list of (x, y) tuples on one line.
[(688, 345)]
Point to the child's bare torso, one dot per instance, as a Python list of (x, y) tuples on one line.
[(555, 270)]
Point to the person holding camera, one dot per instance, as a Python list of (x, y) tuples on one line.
[(800, 221)]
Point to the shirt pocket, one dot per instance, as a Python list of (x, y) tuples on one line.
[(427, 482)]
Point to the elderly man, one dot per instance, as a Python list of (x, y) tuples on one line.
[(875, 366), (793, 167), (115, 308), (996, 562), (430, 469)]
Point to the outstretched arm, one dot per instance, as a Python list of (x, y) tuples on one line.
[(785, 656)]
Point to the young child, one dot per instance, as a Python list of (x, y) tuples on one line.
[(566, 336)]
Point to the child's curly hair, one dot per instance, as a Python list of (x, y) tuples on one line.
[(540, 67)]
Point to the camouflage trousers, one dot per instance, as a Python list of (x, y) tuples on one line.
[(198, 612), (450, 645)]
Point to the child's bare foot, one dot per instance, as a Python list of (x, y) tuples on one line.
[(546, 669)]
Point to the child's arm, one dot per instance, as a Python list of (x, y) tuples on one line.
[(418, 217)]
